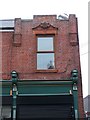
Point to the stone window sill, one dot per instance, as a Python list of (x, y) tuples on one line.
[(47, 71)]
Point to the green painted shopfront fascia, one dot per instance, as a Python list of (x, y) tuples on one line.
[(28, 99)]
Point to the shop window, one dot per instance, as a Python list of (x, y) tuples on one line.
[(6, 112)]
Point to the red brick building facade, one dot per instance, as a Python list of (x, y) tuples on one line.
[(22, 52)]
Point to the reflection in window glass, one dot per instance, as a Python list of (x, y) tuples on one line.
[(45, 44), (45, 61), (6, 112), (6, 23)]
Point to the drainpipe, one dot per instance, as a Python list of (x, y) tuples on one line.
[(74, 74), (14, 75)]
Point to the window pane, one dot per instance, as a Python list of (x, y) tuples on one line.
[(6, 112), (45, 44), (6, 23), (45, 61)]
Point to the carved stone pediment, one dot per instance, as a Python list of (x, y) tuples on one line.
[(44, 25)]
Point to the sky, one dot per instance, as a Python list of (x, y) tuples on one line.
[(25, 9)]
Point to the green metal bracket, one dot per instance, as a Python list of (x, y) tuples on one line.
[(74, 77), (14, 93)]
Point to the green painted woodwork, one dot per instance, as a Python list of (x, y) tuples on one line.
[(75, 96), (40, 88), (6, 87), (42, 82), (14, 93), (6, 91), (43, 89), (37, 87), (0, 88)]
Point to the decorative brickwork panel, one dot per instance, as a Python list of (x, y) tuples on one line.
[(17, 40), (17, 33), (73, 39)]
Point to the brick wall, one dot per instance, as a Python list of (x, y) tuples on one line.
[(19, 49)]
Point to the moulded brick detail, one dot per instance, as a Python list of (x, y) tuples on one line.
[(17, 40)]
